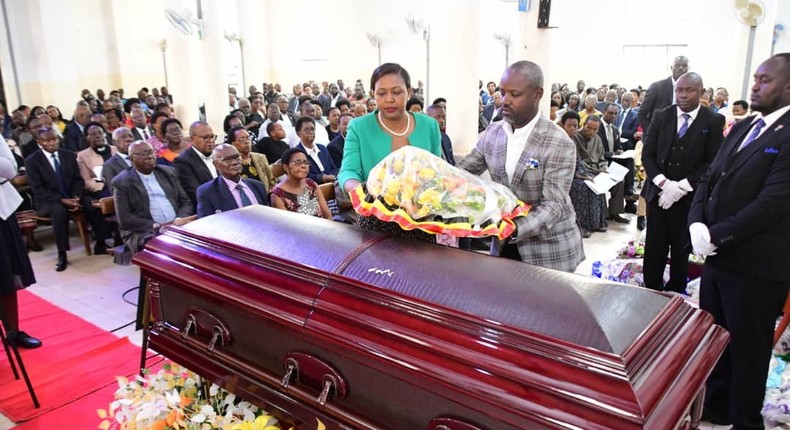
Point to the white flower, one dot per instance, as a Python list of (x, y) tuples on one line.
[(198, 418)]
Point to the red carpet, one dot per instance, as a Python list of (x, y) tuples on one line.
[(76, 360)]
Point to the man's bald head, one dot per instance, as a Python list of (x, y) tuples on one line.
[(680, 65)]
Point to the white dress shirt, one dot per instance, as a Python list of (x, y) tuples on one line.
[(693, 115), (208, 161), (516, 143)]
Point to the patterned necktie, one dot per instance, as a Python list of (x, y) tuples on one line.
[(753, 135), (685, 126), (245, 201), (64, 190)]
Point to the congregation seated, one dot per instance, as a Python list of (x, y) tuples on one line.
[(438, 113), (274, 143), (175, 144), (140, 128), (54, 178), (322, 168), (610, 138), (195, 165), (229, 190), (95, 155), (157, 140), (589, 109), (337, 144), (253, 165), (147, 196), (298, 193), (24, 136), (121, 139)]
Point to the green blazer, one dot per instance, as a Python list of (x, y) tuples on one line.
[(367, 144)]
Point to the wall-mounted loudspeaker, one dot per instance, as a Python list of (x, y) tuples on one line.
[(543, 13)]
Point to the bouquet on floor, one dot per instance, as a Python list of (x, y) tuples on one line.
[(419, 190), (175, 398)]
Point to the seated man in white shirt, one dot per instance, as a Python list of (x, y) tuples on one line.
[(146, 197)]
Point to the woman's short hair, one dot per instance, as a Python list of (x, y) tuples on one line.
[(167, 122), (232, 132), (301, 121), (390, 69), (414, 101), (289, 153)]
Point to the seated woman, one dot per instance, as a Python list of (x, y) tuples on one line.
[(590, 207), (298, 193), (322, 168), (175, 143), (253, 166)]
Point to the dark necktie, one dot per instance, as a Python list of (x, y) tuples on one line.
[(245, 201), (685, 126), (64, 190), (753, 135), (145, 133)]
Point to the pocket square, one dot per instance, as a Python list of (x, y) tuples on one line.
[(532, 164), (771, 150)]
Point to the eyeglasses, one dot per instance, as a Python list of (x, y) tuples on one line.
[(231, 158), (208, 137), (298, 163)]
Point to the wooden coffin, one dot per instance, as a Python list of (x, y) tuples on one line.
[(310, 318)]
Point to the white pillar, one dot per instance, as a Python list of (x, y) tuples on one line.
[(215, 53), (454, 66), (535, 44), (254, 31)]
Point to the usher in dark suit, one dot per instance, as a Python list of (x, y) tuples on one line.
[(192, 172), (744, 200), (677, 159), (214, 196), (660, 94)]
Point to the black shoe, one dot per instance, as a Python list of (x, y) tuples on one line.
[(618, 218), (601, 229), (35, 247), (23, 340), (586, 233), (62, 263), (100, 248), (713, 418), (630, 208), (640, 223)]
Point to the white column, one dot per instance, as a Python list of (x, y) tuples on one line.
[(254, 28), (534, 44), (454, 66), (215, 53), (184, 58)]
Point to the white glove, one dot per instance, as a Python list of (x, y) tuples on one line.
[(700, 240), (670, 194)]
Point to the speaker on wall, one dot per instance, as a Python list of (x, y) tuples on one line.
[(544, 9)]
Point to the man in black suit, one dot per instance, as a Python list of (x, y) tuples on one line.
[(681, 143), (610, 137), (661, 93), (330, 100), (627, 121), (338, 144), (141, 129), (740, 219), (74, 134), (492, 111), (54, 178), (121, 139), (195, 165), (228, 190)]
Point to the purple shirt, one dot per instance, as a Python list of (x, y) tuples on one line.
[(236, 196)]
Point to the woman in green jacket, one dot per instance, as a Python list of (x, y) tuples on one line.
[(370, 138)]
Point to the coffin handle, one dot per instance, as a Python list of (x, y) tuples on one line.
[(314, 373), (216, 336), (191, 324), (449, 423)]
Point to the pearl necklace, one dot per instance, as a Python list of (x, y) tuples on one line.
[(408, 126)]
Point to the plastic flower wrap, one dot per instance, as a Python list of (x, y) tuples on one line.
[(419, 190)]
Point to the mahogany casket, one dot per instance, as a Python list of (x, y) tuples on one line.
[(314, 319)]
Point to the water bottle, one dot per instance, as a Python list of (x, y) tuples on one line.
[(596, 269)]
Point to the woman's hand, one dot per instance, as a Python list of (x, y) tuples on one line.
[(350, 185)]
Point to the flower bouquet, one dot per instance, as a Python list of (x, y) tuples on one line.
[(419, 190), (175, 398)]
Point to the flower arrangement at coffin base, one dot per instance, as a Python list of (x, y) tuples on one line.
[(174, 398)]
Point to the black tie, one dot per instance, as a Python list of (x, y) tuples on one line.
[(145, 133), (64, 189), (245, 201)]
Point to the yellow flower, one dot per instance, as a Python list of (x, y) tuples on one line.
[(397, 166), (393, 187), (260, 423), (426, 173), (430, 199)]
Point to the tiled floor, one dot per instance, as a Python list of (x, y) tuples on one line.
[(92, 287)]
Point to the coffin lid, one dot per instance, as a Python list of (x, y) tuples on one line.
[(579, 310)]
